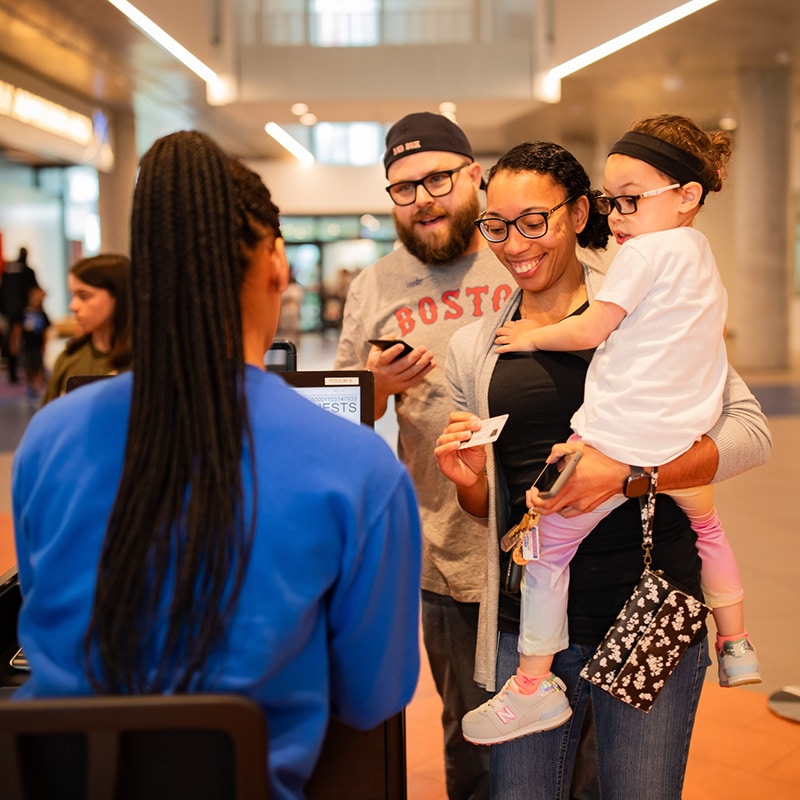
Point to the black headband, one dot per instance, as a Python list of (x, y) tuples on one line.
[(665, 157)]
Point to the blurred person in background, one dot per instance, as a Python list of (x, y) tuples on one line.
[(17, 279), (101, 304)]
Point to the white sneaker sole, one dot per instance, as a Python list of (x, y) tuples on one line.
[(535, 727), (741, 680)]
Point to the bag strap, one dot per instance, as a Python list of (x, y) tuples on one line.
[(647, 504)]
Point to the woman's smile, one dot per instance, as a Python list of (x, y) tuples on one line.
[(525, 267)]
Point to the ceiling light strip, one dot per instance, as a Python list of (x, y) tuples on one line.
[(625, 39), (162, 38), (290, 143)]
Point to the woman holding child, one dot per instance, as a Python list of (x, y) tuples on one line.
[(542, 196)]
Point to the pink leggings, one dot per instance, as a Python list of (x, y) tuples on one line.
[(545, 584)]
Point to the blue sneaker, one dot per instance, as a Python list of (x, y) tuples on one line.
[(509, 714), (738, 663)]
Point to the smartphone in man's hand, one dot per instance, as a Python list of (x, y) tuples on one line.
[(385, 344)]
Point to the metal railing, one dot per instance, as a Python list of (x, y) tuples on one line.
[(295, 24)]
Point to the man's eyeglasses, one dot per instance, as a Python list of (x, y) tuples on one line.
[(532, 225), (626, 203), (437, 184)]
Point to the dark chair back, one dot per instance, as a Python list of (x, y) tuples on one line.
[(361, 765), (204, 747)]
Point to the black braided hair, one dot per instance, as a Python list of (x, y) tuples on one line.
[(178, 538), (548, 158)]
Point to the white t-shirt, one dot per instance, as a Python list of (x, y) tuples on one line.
[(655, 386)]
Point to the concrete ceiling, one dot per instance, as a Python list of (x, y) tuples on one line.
[(89, 49)]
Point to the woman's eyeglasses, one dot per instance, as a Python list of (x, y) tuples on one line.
[(626, 203), (532, 225)]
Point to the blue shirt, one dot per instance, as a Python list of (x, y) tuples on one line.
[(327, 620)]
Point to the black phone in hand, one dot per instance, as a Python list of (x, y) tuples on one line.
[(385, 344)]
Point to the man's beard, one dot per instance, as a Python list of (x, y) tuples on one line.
[(455, 242)]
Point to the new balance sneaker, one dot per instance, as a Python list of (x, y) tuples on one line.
[(509, 714), (738, 663)]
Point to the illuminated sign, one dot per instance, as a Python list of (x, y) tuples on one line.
[(31, 109)]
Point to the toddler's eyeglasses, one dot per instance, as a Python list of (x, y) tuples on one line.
[(626, 203)]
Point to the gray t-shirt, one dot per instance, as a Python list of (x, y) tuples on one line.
[(425, 305)]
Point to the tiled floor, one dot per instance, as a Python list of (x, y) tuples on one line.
[(740, 747)]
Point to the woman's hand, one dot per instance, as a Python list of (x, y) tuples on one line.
[(596, 478), (464, 466), (562, 449)]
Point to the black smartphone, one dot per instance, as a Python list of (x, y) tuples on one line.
[(552, 478), (386, 343)]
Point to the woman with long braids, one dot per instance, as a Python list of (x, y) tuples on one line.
[(196, 525)]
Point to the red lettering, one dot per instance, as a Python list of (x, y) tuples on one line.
[(477, 293), (454, 310), (501, 294), (427, 310), (405, 320)]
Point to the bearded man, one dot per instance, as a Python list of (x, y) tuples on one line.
[(441, 278)]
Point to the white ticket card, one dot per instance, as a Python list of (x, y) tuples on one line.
[(488, 432)]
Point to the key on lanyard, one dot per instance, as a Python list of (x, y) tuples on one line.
[(514, 536), (530, 541), (527, 539)]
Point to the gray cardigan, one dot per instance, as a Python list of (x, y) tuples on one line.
[(741, 435)]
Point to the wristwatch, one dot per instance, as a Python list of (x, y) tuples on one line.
[(637, 484)]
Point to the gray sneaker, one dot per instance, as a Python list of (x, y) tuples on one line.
[(738, 663), (509, 715)]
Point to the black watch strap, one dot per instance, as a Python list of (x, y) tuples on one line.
[(637, 484)]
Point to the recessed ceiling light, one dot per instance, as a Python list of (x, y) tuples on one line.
[(298, 109)]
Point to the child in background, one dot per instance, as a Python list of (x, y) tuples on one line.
[(654, 387), (28, 341)]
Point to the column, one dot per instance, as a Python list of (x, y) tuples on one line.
[(116, 187), (760, 293)]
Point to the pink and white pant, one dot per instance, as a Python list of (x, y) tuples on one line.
[(545, 584)]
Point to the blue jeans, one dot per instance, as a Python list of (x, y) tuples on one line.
[(638, 755), (450, 630)]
